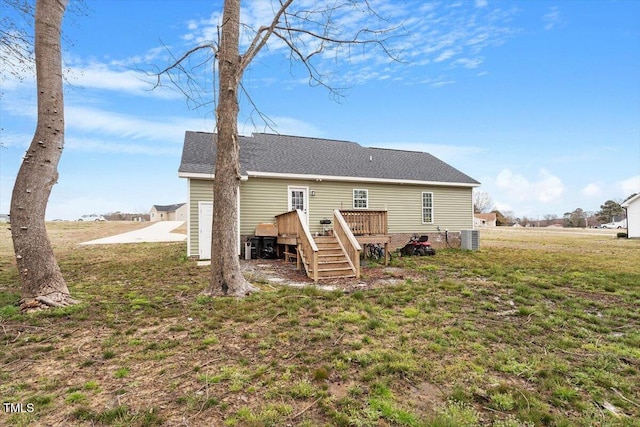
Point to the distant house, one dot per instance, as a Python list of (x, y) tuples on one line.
[(485, 219), (4, 217), (177, 212), (632, 206)]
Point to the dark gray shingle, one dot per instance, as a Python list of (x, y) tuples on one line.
[(270, 153), (168, 208)]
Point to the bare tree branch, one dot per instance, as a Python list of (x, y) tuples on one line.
[(314, 75), (306, 33), (262, 36), (178, 62), (178, 69), (268, 123), (16, 38)]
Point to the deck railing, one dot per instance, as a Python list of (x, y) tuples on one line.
[(347, 241), (291, 224), (365, 222)]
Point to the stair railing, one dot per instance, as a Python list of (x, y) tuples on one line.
[(292, 223), (348, 241)]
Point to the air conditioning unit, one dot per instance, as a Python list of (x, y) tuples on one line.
[(470, 239)]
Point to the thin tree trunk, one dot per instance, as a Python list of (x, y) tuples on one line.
[(40, 276), (226, 275)]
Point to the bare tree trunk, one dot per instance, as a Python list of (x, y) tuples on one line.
[(226, 276), (42, 281)]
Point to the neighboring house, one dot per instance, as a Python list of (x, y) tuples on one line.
[(177, 212), (416, 192), (485, 219), (4, 217), (632, 206)]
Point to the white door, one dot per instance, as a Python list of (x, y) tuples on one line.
[(205, 220), (299, 199)]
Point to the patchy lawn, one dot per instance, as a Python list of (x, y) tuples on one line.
[(535, 328)]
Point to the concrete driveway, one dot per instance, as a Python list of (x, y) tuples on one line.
[(157, 232)]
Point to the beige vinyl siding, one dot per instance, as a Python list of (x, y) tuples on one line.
[(261, 199), (457, 205)]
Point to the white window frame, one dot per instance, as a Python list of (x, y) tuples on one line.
[(365, 199), (429, 208)]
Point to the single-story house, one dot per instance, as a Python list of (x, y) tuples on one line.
[(175, 212), (414, 192), (632, 206), (485, 219)]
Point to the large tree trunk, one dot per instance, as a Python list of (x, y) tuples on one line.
[(42, 281), (226, 276)]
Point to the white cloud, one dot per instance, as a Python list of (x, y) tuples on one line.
[(502, 207), (103, 77), (433, 34), (469, 63), (443, 83), (513, 183), (169, 129), (120, 147), (592, 190), (97, 76), (281, 125), (629, 186), (10, 140), (546, 188), (552, 18), (445, 55)]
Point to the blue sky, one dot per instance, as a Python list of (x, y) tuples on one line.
[(537, 100)]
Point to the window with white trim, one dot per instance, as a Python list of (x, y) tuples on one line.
[(360, 199), (427, 208)]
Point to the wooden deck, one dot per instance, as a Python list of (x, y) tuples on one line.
[(352, 229), (369, 227)]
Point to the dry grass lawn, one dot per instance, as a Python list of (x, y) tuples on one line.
[(537, 328)]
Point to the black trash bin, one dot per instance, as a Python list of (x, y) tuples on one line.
[(268, 247), (255, 247)]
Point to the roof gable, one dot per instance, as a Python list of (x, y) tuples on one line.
[(168, 208), (491, 216), (630, 201), (284, 154)]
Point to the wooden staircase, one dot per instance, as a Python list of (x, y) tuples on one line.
[(332, 256), (337, 255), (332, 259)]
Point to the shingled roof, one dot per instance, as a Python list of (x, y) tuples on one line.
[(265, 154), (168, 208)]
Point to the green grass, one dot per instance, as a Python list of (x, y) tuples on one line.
[(533, 329)]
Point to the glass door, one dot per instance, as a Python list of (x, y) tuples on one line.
[(299, 199)]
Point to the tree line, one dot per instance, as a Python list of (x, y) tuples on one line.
[(610, 211)]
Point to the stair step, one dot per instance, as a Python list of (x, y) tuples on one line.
[(324, 246), (333, 264), (332, 261), (345, 276), (324, 239), (333, 248), (334, 272), (331, 257)]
